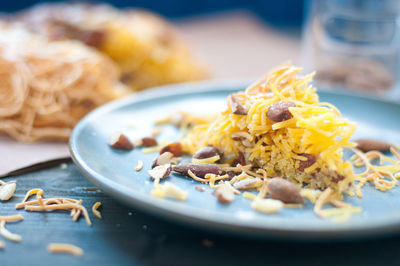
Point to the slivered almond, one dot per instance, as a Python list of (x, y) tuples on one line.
[(164, 158), (7, 190), (120, 141), (224, 193), (175, 148), (236, 107), (160, 172), (247, 183)]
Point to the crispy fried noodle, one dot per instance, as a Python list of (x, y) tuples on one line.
[(46, 87)]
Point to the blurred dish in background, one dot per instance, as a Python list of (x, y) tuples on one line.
[(147, 49), (353, 44), (51, 76), (46, 87)]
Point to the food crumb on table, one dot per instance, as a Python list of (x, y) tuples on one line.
[(207, 243)]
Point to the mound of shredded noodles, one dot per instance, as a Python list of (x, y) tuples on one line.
[(256, 147)]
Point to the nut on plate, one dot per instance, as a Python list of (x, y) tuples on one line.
[(175, 148), (199, 169), (149, 142), (7, 190), (164, 158), (367, 145), (224, 193), (120, 141), (160, 172), (207, 152), (283, 190), (279, 111)]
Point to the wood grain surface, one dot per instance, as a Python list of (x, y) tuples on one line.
[(126, 236)]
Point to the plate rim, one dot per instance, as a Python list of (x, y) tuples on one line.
[(174, 212)]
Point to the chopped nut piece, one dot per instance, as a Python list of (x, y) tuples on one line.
[(160, 172), (174, 191), (139, 165), (164, 158), (311, 159), (236, 107), (247, 183), (224, 193), (149, 142), (175, 148), (7, 190), (207, 152), (279, 111), (199, 188), (199, 169), (284, 190), (367, 145), (266, 205), (239, 160), (120, 141), (241, 135)]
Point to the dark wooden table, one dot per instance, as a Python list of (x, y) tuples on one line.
[(126, 236)]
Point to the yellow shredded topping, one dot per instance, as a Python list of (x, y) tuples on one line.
[(52, 204), (7, 234), (95, 211), (65, 248)]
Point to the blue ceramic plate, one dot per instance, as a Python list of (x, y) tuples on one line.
[(113, 170)]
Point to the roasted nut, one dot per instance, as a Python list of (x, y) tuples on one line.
[(7, 190), (120, 141), (239, 160), (236, 107), (284, 190), (175, 148), (199, 169), (247, 183), (224, 193), (367, 145), (160, 172), (336, 178), (149, 142), (311, 159), (207, 152), (279, 111), (164, 158)]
